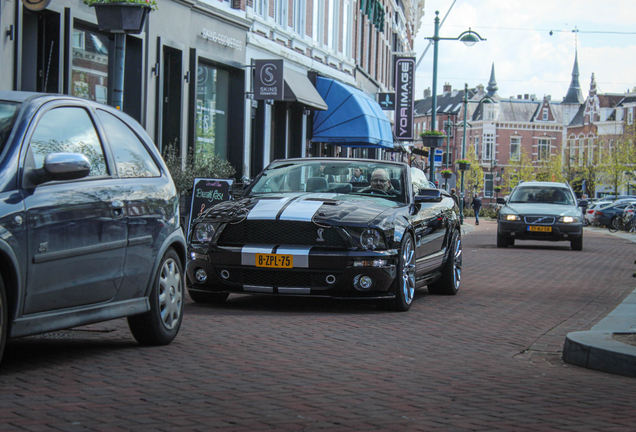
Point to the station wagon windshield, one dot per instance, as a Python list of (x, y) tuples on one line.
[(543, 195)]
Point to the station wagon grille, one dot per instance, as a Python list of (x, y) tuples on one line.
[(280, 278), (279, 232), (539, 220)]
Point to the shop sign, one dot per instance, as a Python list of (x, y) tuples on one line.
[(36, 5), (404, 97), (221, 39), (387, 101), (268, 79)]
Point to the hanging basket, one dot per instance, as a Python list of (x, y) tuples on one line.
[(447, 175), (463, 166), (121, 17), (433, 141)]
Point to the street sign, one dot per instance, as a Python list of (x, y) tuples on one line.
[(404, 97), (268, 80), (386, 101), (437, 157)]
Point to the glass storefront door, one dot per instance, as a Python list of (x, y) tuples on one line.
[(213, 86)]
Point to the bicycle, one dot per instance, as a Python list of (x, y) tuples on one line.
[(617, 223)]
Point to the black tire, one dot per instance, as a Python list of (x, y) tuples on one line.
[(208, 297), (451, 278), (405, 279), (614, 225), (4, 318), (577, 244), (502, 242), (160, 325)]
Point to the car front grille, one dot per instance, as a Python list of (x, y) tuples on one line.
[(539, 220), (279, 232), (280, 278)]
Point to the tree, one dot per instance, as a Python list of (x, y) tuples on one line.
[(616, 157), (474, 177), (519, 170), (551, 170)]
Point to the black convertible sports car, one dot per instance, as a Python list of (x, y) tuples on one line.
[(308, 227)]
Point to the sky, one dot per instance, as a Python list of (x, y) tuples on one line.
[(527, 59)]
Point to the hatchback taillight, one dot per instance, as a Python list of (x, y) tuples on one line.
[(598, 213)]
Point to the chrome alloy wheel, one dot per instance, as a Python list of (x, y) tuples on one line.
[(408, 270), (170, 294), (457, 263)]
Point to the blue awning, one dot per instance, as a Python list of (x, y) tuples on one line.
[(353, 118)]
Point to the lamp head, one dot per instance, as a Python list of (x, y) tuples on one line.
[(470, 38)]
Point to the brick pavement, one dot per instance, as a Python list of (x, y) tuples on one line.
[(487, 359)]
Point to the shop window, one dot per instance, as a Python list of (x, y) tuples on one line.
[(212, 112), (89, 67)]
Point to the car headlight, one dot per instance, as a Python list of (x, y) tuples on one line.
[(569, 219), (371, 239), (510, 217), (204, 232)]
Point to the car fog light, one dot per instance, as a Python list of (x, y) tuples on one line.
[(330, 279), (366, 282), (201, 275), (225, 274)]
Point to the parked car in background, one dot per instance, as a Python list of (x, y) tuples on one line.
[(629, 213), (302, 228), (89, 221), (589, 211), (541, 211), (607, 216)]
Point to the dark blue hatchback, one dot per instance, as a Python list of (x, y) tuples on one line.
[(89, 226)]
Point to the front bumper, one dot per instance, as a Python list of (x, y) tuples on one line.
[(316, 272), (558, 232)]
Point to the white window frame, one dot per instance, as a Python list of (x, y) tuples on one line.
[(299, 16), (489, 178), (543, 146), (347, 23), (630, 115), (488, 147), (280, 12), (545, 114), (80, 37), (515, 148), (334, 21), (476, 146), (318, 27), (260, 8)]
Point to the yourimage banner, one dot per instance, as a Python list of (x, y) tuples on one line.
[(404, 97)]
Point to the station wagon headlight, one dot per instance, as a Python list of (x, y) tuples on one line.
[(371, 239), (510, 217), (204, 232), (568, 219)]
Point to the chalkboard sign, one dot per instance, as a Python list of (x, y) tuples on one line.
[(207, 193)]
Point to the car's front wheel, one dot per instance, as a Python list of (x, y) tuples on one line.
[(449, 283), (160, 325), (405, 280), (207, 298)]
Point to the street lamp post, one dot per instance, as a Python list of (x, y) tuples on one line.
[(469, 38), (449, 134), (461, 195)]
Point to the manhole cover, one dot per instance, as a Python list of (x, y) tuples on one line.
[(72, 334), (626, 338)]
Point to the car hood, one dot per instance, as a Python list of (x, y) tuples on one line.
[(541, 209), (328, 208)]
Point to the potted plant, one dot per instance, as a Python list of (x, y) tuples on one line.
[(122, 16), (446, 173), (463, 164), (432, 138)]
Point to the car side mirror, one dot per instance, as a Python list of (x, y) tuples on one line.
[(428, 195), (62, 166), (501, 201)]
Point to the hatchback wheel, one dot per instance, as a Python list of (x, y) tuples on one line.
[(160, 325)]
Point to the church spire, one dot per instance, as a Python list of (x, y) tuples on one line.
[(492, 83), (575, 95)]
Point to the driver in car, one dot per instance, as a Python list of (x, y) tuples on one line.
[(380, 182)]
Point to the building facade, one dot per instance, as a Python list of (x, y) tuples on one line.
[(188, 76)]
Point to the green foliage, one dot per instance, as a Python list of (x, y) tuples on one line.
[(432, 133), (458, 161), (183, 174), (474, 177), (446, 171), (147, 3)]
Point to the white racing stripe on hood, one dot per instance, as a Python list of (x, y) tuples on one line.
[(301, 210), (267, 209)]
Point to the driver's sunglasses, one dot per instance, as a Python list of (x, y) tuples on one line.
[(378, 181)]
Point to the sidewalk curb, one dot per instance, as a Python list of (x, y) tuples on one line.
[(596, 348)]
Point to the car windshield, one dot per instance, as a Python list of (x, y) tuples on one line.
[(344, 177), (8, 113), (542, 194)]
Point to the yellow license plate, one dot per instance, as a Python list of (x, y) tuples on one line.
[(274, 261), (540, 228)]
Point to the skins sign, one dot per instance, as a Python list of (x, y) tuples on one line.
[(404, 97)]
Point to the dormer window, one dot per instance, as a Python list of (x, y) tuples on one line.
[(545, 113)]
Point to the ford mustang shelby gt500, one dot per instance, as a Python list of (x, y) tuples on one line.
[(314, 227)]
